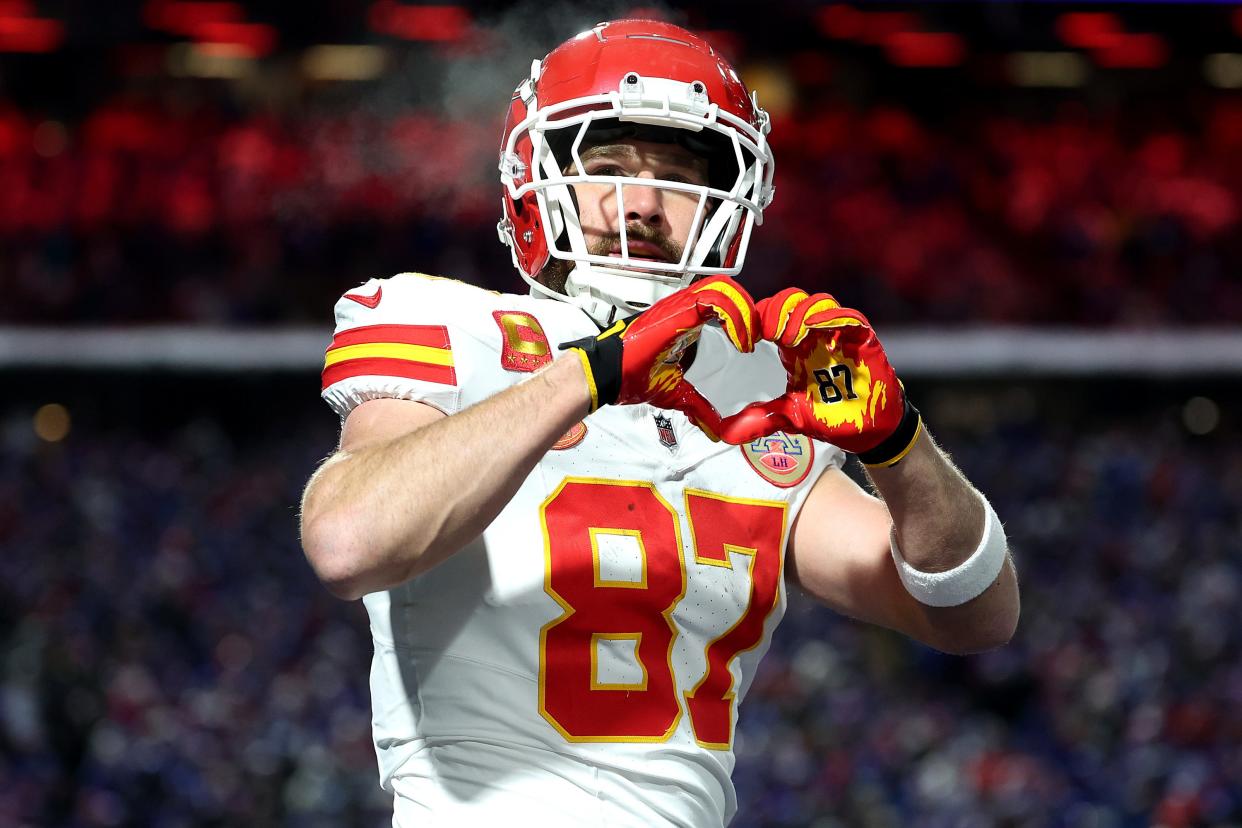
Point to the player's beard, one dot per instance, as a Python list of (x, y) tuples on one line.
[(556, 271)]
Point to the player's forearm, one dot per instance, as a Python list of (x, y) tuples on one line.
[(376, 517), (939, 520), (936, 512)]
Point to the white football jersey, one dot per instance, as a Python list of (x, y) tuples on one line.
[(582, 661)]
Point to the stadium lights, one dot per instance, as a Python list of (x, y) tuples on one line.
[(774, 86), (51, 422), (50, 139), (1059, 70), (20, 31), (925, 49), (1089, 30), (253, 39), (1104, 35), (1200, 415), (344, 63), (878, 27), (899, 33), (437, 23), (1223, 70), (211, 60), (1133, 51), (183, 18), (844, 22), (219, 27), (841, 21)]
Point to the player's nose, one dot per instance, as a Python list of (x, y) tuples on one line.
[(643, 204)]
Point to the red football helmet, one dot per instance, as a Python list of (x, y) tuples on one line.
[(641, 79)]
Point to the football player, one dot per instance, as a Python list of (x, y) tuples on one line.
[(570, 514)]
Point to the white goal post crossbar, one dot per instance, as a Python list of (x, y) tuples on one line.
[(979, 352)]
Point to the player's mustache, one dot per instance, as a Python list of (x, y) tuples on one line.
[(670, 249)]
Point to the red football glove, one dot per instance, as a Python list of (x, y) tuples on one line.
[(841, 387), (639, 359)]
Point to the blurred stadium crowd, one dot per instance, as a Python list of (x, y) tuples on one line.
[(177, 209), (170, 660)]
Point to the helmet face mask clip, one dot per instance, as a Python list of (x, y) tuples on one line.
[(653, 82)]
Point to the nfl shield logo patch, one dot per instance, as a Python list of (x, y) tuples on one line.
[(664, 428)]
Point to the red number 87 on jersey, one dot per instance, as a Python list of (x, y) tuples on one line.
[(571, 696)]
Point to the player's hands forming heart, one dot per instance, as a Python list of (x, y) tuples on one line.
[(841, 386), (639, 359)]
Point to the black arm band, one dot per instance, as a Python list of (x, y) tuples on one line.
[(898, 444)]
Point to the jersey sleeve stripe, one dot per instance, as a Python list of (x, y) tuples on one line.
[(419, 352), (430, 336), (389, 367), (390, 350)]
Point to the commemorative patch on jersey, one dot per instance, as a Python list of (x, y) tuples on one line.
[(524, 344), (781, 459), (420, 352), (571, 438)]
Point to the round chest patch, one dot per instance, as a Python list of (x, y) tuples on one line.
[(781, 459), (571, 438)]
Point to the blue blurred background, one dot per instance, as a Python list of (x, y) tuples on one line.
[(1026, 172)]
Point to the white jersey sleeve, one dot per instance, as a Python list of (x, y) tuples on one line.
[(414, 337)]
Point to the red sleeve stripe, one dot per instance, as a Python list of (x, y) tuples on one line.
[(432, 336), (419, 352), (387, 367)]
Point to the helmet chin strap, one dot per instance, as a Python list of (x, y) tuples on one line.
[(605, 297), (609, 296)]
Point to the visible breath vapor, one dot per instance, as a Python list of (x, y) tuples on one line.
[(480, 86), (471, 84)]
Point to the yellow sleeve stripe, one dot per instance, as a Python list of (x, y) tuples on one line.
[(390, 350)]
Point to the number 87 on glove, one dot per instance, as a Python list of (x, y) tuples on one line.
[(841, 387)]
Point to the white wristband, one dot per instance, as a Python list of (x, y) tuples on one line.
[(967, 580)]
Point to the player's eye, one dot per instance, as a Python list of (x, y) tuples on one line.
[(606, 169), (682, 174)]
